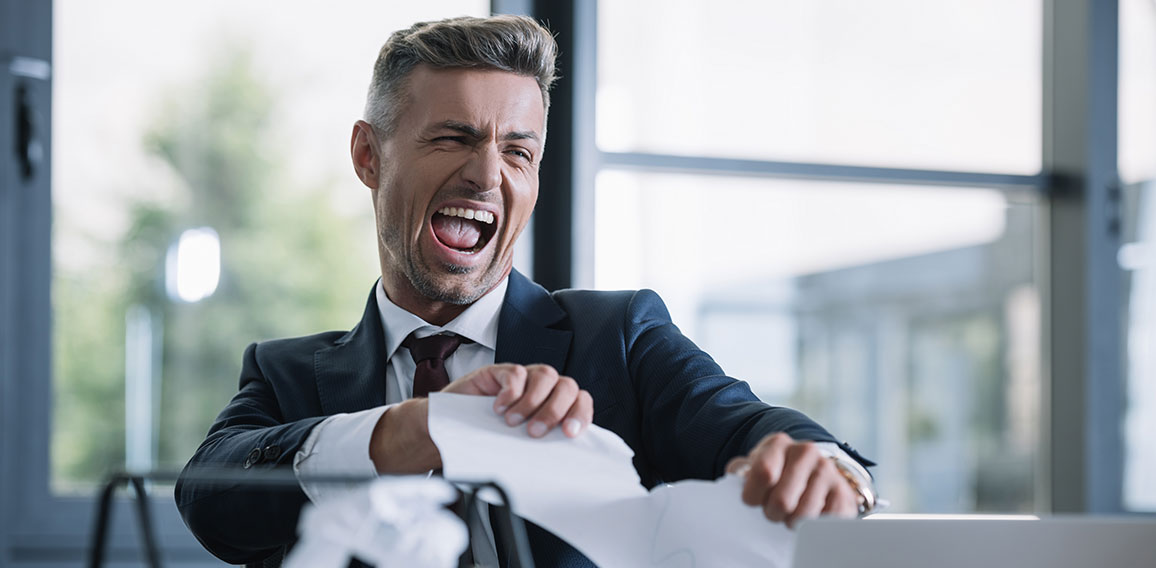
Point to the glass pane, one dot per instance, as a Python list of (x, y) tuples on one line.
[(906, 319), (1138, 260), (1137, 132), (902, 83), (230, 116), (1137, 257)]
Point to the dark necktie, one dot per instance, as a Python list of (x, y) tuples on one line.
[(430, 355)]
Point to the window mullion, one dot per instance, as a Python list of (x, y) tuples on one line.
[(818, 172), (1083, 354)]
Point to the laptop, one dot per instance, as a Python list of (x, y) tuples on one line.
[(977, 541)]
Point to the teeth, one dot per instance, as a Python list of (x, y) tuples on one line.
[(483, 216)]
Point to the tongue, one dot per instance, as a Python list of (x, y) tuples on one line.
[(455, 232)]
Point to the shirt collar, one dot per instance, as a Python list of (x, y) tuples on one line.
[(478, 323)]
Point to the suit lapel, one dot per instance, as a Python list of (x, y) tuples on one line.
[(527, 331), (351, 374)]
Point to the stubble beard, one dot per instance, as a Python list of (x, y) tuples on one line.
[(424, 277), (423, 280)]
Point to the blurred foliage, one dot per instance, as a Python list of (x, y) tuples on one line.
[(291, 265)]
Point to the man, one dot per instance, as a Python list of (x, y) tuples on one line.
[(450, 147)]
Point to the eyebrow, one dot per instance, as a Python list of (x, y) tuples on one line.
[(474, 132)]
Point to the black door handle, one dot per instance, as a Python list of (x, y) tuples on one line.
[(29, 137), (29, 147)]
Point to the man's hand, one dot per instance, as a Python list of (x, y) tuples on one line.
[(793, 481), (534, 394)]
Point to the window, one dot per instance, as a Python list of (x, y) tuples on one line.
[(749, 159), (1138, 260), (903, 318), (1137, 255), (901, 83), (1137, 129), (228, 122)]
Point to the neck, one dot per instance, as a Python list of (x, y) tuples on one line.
[(429, 310), (401, 292)]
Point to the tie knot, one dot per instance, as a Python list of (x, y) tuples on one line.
[(433, 347)]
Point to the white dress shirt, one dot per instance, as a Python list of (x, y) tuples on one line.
[(339, 445)]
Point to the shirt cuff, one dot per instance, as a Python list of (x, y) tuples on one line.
[(339, 445), (862, 477), (832, 450)]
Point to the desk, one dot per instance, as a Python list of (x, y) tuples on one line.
[(968, 541)]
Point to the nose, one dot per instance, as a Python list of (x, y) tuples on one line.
[(483, 171)]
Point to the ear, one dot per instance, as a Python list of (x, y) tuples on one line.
[(363, 149)]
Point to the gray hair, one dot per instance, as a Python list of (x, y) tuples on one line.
[(516, 44)]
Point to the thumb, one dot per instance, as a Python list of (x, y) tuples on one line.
[(738, 465), (486, 381)]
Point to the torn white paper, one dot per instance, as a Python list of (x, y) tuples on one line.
[(392, 521), (586, 491)]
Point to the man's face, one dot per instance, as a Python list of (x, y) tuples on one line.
[(458, 181)]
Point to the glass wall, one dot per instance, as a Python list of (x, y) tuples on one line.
[(1137, 92), (1137, 256), (1138, 260), (905, 318), (196, 140), (902, 83)]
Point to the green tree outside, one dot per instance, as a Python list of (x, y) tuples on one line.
[(291, 264)]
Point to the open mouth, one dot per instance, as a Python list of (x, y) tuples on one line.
[(462, 229)]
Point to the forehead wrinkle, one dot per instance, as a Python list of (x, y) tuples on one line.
[(475, 132), (458, 126), (522, 135)]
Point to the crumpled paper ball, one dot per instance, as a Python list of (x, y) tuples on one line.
[(391, 521)]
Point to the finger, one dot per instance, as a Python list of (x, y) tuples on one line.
[(842, 500), (512, 381), (801, 459), (814, 498), (738, 466), (540, 381), (487, 381), (550, 413), (580, 416), (766, 466)]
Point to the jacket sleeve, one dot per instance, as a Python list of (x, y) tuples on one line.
[(694, 418), (238, 522)]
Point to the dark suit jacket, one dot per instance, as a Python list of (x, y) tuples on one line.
[(652, 386)]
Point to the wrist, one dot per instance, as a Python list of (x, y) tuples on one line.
[(856, 475), (401, 443), (860, 481)]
